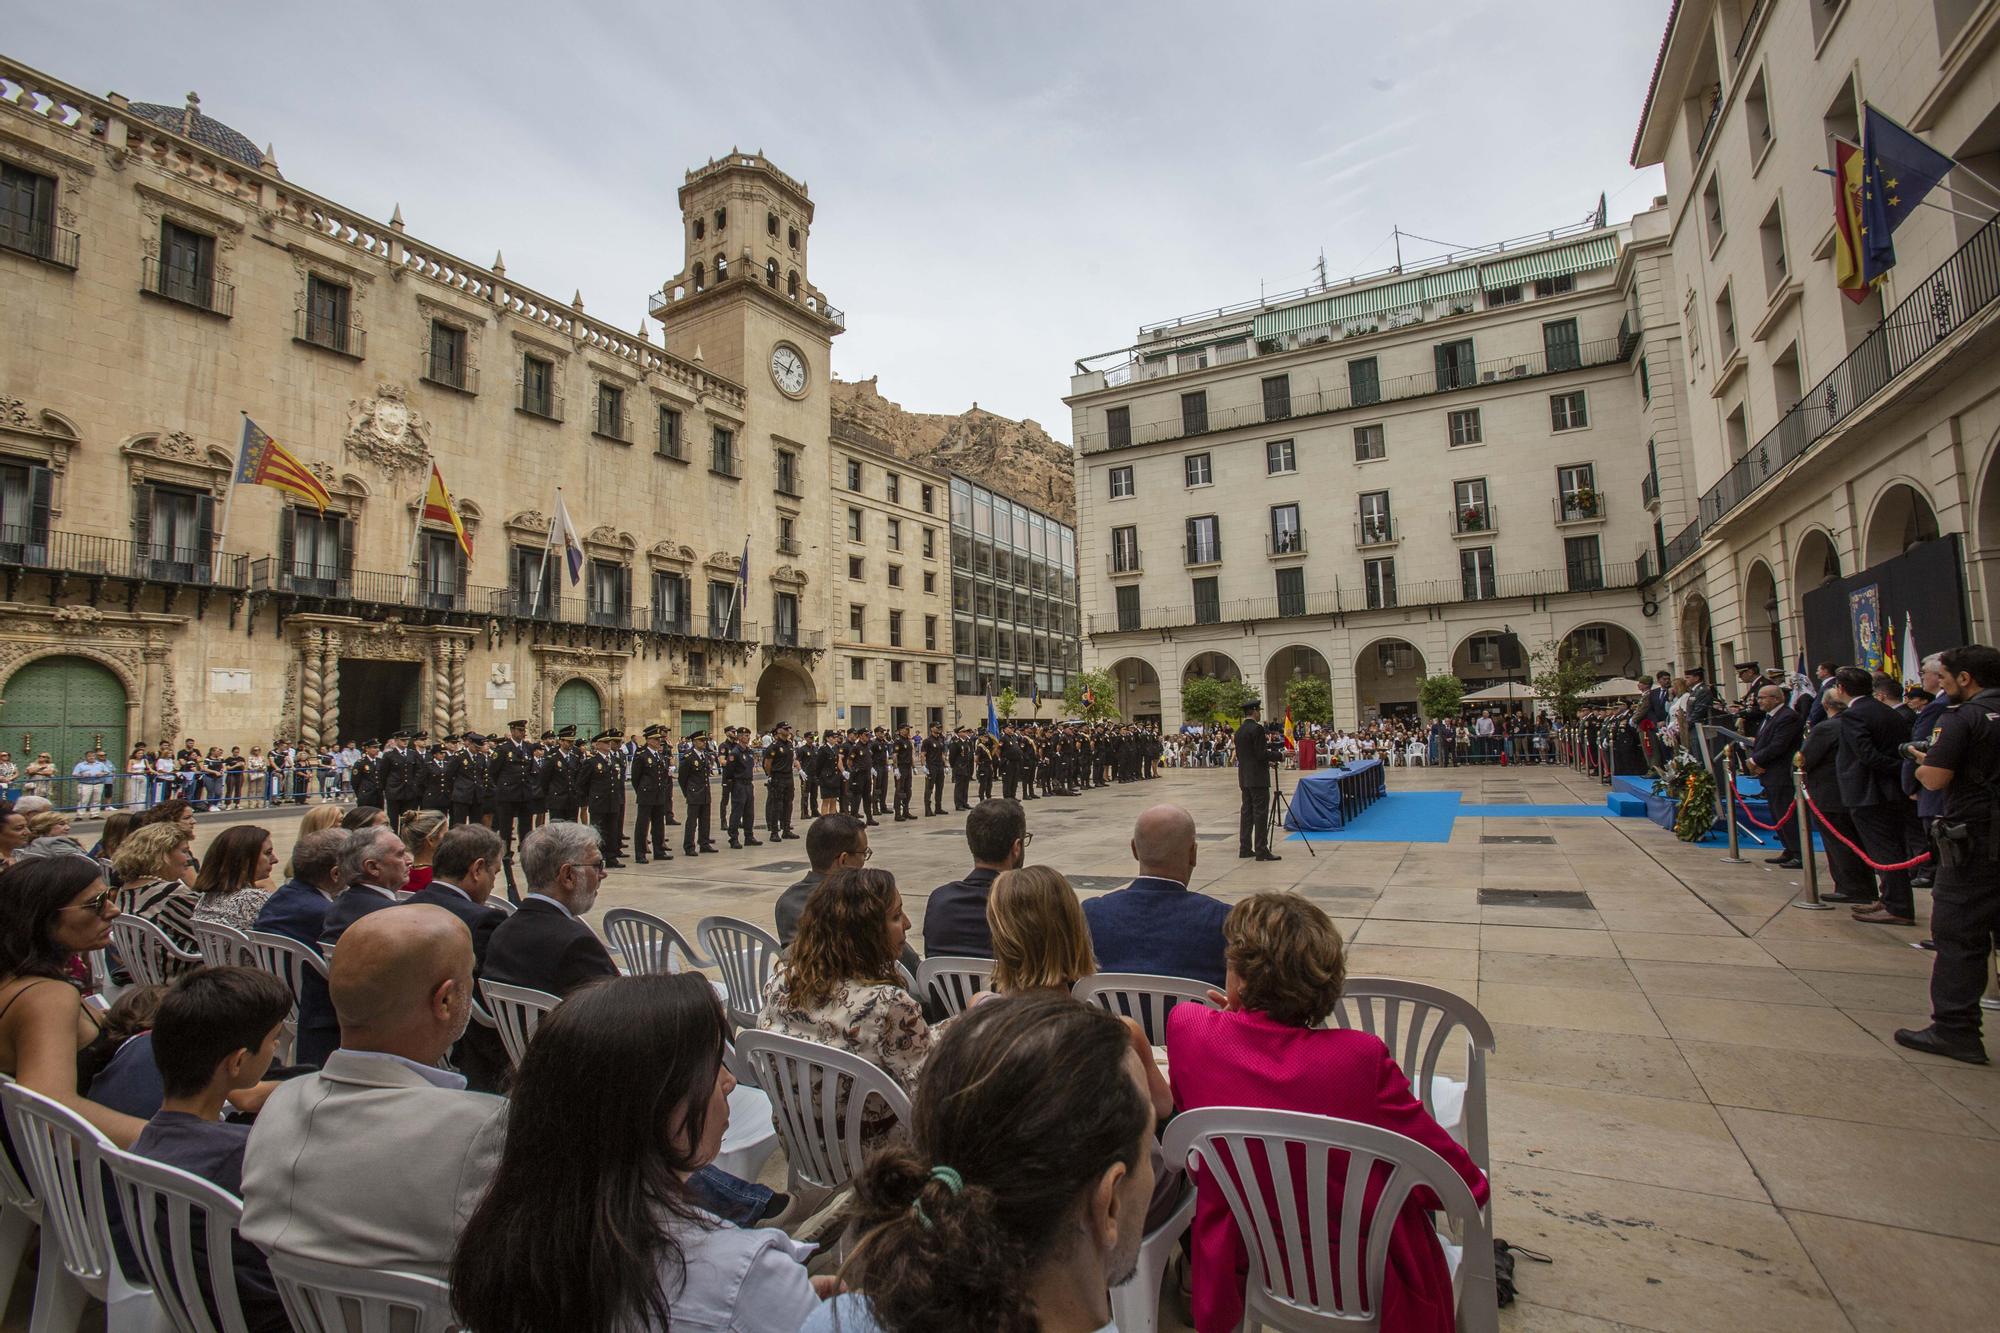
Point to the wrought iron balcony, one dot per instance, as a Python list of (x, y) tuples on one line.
[(1475, 518), (543, 402), (369, 586), (334, 335), (451, 372), (40, 240), (1124, 560), (1649, 490), (724, 462), (1207, 552), (74, 553), (1370, 532), (197, 290), (1579, 507), (1285, 541), (611, 423), (788, 546)]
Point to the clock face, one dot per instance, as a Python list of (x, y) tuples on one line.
[(788, 369)]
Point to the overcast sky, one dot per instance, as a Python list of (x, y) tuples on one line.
[(1001, 188)]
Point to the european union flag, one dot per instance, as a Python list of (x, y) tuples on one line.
[(1898, 170)]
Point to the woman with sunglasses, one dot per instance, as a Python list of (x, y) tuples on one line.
[(52, 910)]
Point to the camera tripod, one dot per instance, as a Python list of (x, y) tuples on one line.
[(1280, 804)]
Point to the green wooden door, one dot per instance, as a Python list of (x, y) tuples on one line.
[(66, 706), (577, 702)]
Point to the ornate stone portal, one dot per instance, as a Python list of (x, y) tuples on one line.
[(320, 642), (134, 647)]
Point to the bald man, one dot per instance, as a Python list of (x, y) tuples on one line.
[(376, 1161), (1157, 924)]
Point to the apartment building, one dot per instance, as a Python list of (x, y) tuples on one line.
[(1014, 603)]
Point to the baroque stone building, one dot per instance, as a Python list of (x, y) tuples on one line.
[(160, 280)]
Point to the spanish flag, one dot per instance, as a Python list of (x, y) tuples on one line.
[(1848, 226), (1889, 664), (265, 462), (1288, 727), (438, 508)]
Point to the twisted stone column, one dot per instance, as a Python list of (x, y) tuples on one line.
[(312, 686), (459, 721), (329, 717)]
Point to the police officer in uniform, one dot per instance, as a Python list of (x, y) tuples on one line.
[(738, 768), (398, 778), (959, 755), (545, 768), (695, 768), (986, 754), (513, 769), (934, 750), (367, 775), (652, 779), (780, 783), (462, 774), (1253, 778), (878, 764), (905, 756), (603, 774)]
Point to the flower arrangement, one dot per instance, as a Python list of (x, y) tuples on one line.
[(1686, 781), (1472, 518)]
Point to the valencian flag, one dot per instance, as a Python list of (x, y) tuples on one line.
[(1898, 170), (265, 462), (438, 508), (1847, 221)]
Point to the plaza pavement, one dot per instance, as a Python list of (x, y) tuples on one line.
[(1696, 1107)]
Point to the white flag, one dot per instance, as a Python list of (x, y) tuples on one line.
[(562, 533), (1913, 672)]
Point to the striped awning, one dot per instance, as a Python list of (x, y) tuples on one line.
[(1360, 305), (1601, 252)]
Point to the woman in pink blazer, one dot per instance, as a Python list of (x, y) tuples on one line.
[(1285, 970)]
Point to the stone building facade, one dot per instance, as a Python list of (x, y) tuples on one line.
[(1841, 464), (160, 280)]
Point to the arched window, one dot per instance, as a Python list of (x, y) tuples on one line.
[(697, 275), (771, 223), (792, 284), (700, 228), (722, 268), (771, 274)]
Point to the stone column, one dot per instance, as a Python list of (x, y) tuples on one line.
[(459, 721), (312, 685), (329, 717)]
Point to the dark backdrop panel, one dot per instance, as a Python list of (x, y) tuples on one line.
[(1927, 583)]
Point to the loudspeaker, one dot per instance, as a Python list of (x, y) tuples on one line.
[(1510, 652)]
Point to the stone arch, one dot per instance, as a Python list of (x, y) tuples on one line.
[(1985, 540), (1284, 665), (1211, 663), (1817, 561), (786, 693), (1137, 685), (1614, 649), (46, 714), (1763, 632), (1471, 662), (579, 700), (1901, 517), (1386, 674), (1697, 635)]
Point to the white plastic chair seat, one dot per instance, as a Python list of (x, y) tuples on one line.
[(751, 1137), (517, 1011), (819, 1096), (148, 953), (20, 1217), (952, 982), (1417, 1023), (647, 944), (223, 945), (165, 1210), (327, 1298), (1135, 1303), (745, 955), (1143, 997)]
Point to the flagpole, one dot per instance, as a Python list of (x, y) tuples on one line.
[(1946, 208), (542, 570), (416, 536), (228, 502)]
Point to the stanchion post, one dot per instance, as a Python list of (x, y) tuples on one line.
[(1729, 808), (1811, 902)]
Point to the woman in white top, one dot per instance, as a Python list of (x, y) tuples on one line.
[(588, 1226), (136, 769)]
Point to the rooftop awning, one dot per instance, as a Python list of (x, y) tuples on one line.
[(1360, 305), (1601, 252)]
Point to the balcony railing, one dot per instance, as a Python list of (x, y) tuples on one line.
[(49, 243), (451, 372), (791, 636), (1481, 517), (668, 444), (612, 425), (541, 403), (725, 463), (788, 546), (111, 557), (1204, 552), (1462, 377), (1580, 576), (787, 483), (374, 587), (1579, 507), (1649, 490), (1962, 287), (334, 335), (1285, 541), (203, 293), (1376, 532), (660, 305), (1708, 126), (1124, 560)]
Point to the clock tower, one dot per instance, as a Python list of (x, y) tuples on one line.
[(744, 306)]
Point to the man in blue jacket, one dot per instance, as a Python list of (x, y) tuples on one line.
[(1157, 924)]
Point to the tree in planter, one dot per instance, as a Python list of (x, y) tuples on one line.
[(1004, 705), (1562, 674), (1309, 699), (1440, 695), (1103, 692), (1206, 699)]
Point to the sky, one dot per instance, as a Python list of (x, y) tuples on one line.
[(999, 188)]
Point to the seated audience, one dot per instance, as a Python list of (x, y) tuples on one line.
[(833, 842), (374, 864), (1157, 924), (1040, 938), (838, 985), (215, 1034), (227, 885), (51, 910), (155, 879), (298, 908), (545, 945), (116, 825), (421, 831), (467, 861), (14, 834), (1265, 1049), (377, 1160), (318, 819), (364, 816), (590, 1223), (1021, 1198), (955, 916)]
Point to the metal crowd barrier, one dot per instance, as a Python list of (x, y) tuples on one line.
[(223, 791)]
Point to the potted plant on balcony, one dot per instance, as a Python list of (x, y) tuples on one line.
[(1472, 518), (1580, 503)]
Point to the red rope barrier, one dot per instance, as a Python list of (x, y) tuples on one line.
[(1752, 819), (1849, 845)]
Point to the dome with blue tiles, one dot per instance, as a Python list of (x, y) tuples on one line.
[(189, 122)]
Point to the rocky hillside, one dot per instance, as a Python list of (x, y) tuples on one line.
[(1016, 458)]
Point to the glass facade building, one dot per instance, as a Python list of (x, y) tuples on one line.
[(1014, 610)]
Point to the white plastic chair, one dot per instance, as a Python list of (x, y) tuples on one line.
[(61, 1155), (1295, 1244), (517, 1011), (108, 990), (646, 944), (1135, 1303), (745, 955), (329, 1298), (1144, 997), (166, 1209), (20, 1218), (1415, 1022), (222, 945), (289, 961), (952, 982), (148, 953), (751, 1137), (908, 979), (821, 1097)]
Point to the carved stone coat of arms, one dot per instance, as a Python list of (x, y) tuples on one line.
[(386, 431)]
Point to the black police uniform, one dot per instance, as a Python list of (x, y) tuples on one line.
[(513, 768), (1253, 777), (462, 775), (905, 754), (399, 790), (652, 779), (741, 820), (780, 788), (1965, 894), (934, 751), (959, 754), (367, 778), (695, 768), (604, 793)]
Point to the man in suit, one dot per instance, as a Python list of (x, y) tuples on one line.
[(465, 869), (545, 945), (1253, 779), (1871, 786), (512, 768), (833, 842), (1770, 760), (652, 779), (1853, 881), (376, 1161), (1822, 683), (955, 916), (298, 909), (1157, 924), (375, 865)]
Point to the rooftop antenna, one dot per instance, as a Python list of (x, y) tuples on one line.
[(1397, 232), (1321, 268)]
